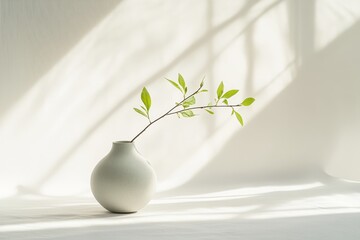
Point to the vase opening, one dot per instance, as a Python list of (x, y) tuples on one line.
[(120, 142)]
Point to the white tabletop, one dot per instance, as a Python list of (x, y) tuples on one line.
[(310, 210)]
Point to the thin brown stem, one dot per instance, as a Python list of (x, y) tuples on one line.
[(202, 107), (165, 114)]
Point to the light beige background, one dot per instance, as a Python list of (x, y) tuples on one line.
[(71, 71)]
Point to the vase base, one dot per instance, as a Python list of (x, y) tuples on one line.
[(120, 212)]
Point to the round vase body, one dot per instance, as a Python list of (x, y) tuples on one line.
[(123, 181)]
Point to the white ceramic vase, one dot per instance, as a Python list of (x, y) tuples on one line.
[(123, 181)]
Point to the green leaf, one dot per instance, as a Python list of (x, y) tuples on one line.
[(209, 111), (175, 84), (185, 90), (220, 90), (190, 101), (140, 112), (232, 111), (144, 108), (187, 113), (239, 118), (181, 81), (204, 90), (146, 99), (226, 102), (230, 93), (248, 101), (202, 82)]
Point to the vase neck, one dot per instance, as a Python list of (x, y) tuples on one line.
[(123, 146)]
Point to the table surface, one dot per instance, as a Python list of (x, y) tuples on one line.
[(312, 210)]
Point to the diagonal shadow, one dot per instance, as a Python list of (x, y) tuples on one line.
[(35, 35), (293, 145), (198, 43)]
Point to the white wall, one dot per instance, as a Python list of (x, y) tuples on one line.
[(71, 71)]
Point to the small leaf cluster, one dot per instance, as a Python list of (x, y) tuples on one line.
[(221, 96), (246, 102), (181, 85), (187, 102), (224, 98), (145, 109)]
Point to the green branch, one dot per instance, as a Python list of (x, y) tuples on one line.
[(188, 103), (165, 114), (205, 107)]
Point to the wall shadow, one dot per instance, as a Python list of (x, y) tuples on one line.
[(36, 34), (293, 136), (199, 43)]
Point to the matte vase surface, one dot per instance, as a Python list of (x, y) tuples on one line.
[(123, 181)]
